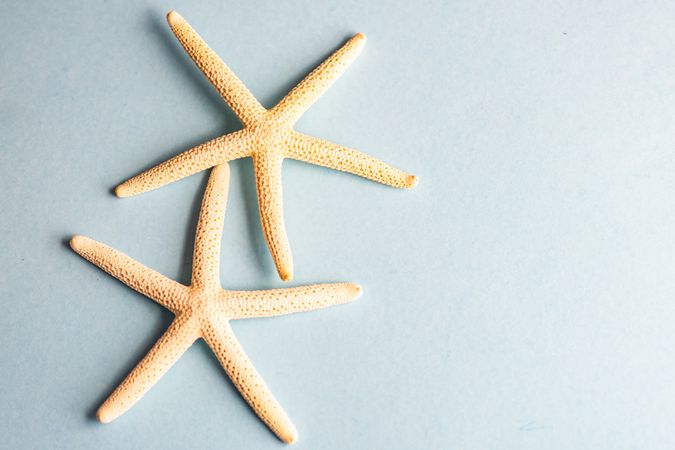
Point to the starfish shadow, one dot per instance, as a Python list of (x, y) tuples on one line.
[(65, 242), (185, 274), (250, 200), (169, 44), (285, 87)]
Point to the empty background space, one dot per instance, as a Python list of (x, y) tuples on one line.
[(521, 297)]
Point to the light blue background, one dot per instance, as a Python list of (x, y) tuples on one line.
[(521, 297)]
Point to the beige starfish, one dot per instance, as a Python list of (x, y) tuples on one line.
[(204, 309), (268, 137)]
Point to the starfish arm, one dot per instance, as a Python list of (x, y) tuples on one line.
[(206, 259), (277, 302), (166, 351), (233, 91), (211, 153), (248, 381), (324, 153), (168, 293), (267, 167), (302, 96)]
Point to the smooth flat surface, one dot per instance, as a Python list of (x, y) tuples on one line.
[(521, 297)]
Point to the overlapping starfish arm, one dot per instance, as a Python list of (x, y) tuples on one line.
[(168, 293), (233, 91), (166, 351), (216, 151), (206, 258), (277, 302), (267, 168), (247, 380), (324, 153), (302, 96)]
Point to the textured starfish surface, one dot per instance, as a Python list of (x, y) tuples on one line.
[(204, 309), (268, 137)]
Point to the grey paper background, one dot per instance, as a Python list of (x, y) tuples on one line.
[(521, 297)]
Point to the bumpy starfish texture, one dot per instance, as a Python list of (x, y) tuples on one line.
[(204, 309), (268, 137)]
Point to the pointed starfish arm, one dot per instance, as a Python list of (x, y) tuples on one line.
[(168, 293), (277, 302), (206, 259), (233, 91), (248, 381), (302, 96), (270, 205), (324, 153), (166, 351), (216, 151)]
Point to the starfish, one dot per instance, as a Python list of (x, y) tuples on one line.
[(267, 137), (204, 309)]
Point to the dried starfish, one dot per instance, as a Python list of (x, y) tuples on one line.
[(268, 137), (204, 309)]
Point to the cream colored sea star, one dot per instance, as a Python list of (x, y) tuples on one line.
[(268, 137), (204, 309)]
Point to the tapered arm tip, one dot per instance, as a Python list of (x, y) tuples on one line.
[(78, 242), (358, 41), (104, 416), (173, 17), (122, 191), (289, 436), (285, 274), (412, 181)]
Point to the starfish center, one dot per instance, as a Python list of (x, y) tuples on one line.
[(202, 303), (269, 134)]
